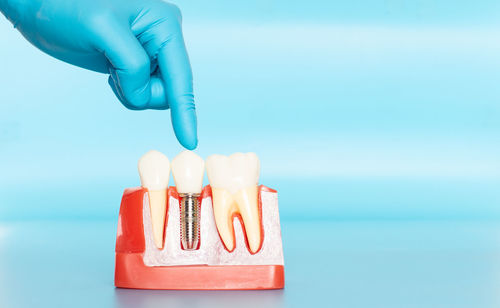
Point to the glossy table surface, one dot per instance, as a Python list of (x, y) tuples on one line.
[(329, 263)]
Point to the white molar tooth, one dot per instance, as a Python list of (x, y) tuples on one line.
[(234, 181), (218, 168), (154, 170)]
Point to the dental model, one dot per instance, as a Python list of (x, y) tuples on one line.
[(234, 181), (187, 238), (154, 170), (187, 169)]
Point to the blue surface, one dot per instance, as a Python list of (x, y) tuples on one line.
[(328, 264), (378, 122)]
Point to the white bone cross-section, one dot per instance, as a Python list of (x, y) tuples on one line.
[(211, 250)]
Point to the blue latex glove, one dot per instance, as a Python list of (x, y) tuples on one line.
[(138, 42)]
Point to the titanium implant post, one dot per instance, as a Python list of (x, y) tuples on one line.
[(190, 221)]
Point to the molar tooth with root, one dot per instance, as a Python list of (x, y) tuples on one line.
[(154, 170), (234, 181)]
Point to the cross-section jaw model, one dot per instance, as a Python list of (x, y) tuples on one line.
[(187, 237)]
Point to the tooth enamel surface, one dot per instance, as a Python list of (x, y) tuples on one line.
[(234, 181), (187, 169), (154, 170)]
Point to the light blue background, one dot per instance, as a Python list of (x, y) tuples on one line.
[(377, 121), (357, 110)]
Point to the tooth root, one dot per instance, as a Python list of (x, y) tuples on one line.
[(238, 176), (223, 205), (158, 206), (247, 200)]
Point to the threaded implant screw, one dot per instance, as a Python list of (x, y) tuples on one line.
[(190, 221)]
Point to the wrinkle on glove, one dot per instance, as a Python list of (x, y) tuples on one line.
[(139, 43)]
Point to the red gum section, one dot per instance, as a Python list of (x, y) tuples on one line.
[(130, 237), (132, 273)]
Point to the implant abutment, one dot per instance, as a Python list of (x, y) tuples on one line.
[(190, 221)]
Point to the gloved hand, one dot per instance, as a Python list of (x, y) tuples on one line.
[(138, 42)]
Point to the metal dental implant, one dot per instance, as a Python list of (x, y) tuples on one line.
[(187, 169), (190, 221)]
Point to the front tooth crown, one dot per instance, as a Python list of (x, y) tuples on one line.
[(187, 169), (154, 170), (234, 181)]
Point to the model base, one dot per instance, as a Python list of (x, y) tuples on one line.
[(133, 274)]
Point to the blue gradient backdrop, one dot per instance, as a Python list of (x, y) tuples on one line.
[(357, 109)]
